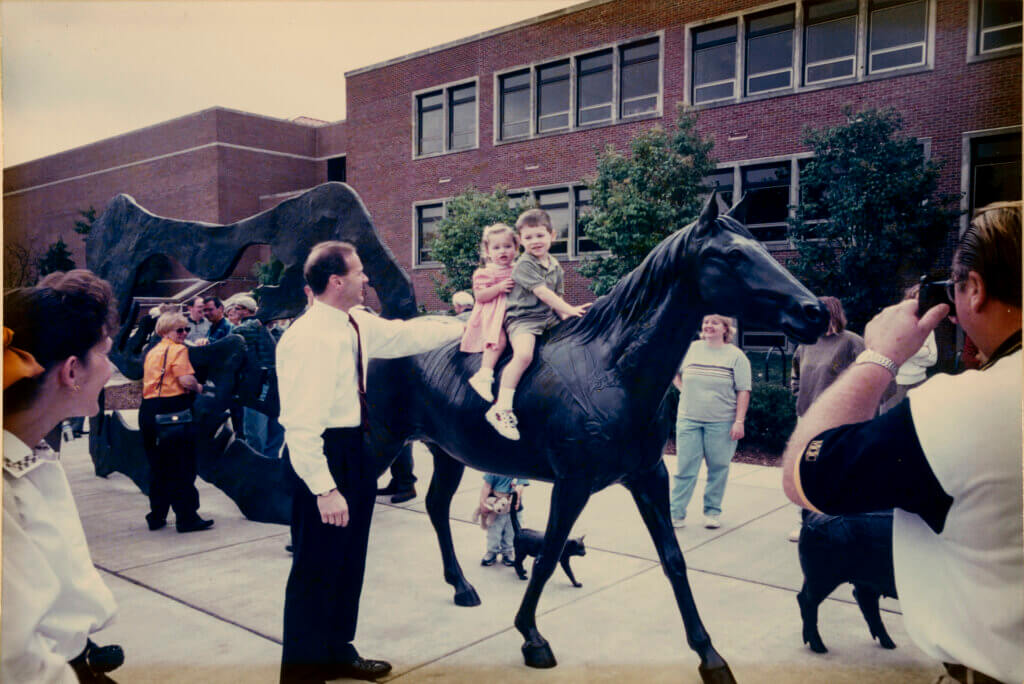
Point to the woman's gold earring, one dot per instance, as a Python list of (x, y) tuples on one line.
[(75, 388)]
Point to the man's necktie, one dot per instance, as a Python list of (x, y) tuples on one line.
[(364, 410)]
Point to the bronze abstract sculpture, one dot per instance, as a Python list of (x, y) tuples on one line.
[(590, 406)]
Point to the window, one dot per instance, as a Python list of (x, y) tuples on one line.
[(515, 105), (638, 78), (583, 207), (999, 27), (995, 169), (767, 190), (446, 120), (552, 97), (810, 44), (336, 169), (770, 51), (722, 180), (597, 87), (556, 203), (427, 218), (714, 62), (830, 41), (898, 33)]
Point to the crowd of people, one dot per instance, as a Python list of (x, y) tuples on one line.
[(872, 434)]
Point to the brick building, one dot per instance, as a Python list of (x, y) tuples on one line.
[(529, 106)]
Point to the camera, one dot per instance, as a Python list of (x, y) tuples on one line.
[(931, 294)]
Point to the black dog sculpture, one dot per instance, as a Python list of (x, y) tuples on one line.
[(846, 548), (590, 406), (529, 542)]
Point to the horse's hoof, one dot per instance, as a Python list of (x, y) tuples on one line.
[(467, 597), (716, 675), (539, 655)]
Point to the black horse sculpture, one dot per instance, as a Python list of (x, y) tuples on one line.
[(589, 405)]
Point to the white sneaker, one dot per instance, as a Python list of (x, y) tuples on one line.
[(678, 523), (482, 387), (504, 421), (794, 535), (712, 522)]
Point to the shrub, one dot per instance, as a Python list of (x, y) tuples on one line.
[(771, 416)]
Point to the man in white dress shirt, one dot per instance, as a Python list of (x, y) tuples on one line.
[(321, 369)]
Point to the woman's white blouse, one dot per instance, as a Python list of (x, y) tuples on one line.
[(53, 597)]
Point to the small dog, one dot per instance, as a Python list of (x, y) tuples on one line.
[(853, 548), (492, 507), (528, 542)]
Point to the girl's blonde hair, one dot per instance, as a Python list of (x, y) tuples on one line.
[(492, 230), (730, 327)]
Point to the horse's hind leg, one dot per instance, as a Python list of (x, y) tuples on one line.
[(567, 500), (447, 475), (867, 599), (650, 491)]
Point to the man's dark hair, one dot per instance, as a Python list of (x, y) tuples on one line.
[(217, 304), (192, 302), (326, 259), (991, 246)]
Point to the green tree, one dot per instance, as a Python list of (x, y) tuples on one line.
[(87, 217), (457, 244), (870, 218), (56, 258), (268, 273), (639, 199)]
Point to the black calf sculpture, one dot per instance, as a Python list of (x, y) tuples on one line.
[(853, 548), (590, 405)]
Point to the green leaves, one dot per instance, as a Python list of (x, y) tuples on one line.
[(884, 220), (457, 245), (639, 199), (57, 258)]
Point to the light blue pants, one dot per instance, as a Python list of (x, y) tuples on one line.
[(500, 535), (696, 442)]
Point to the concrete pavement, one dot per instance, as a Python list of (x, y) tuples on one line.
[(208, 606)]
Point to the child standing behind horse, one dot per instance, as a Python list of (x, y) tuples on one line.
[(496, 517), (491, 285), (539, 286)]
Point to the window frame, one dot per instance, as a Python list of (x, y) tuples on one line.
[(573, 60), (974, 29), (966, 164), (445, 90), (861, 72), (416, 249), (905, 46)]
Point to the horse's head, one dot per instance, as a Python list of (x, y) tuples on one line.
[(736, 276)]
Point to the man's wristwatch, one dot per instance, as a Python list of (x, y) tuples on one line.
[(333, 489), (869, 356)]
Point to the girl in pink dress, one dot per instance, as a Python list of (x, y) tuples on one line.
[(491, 284)]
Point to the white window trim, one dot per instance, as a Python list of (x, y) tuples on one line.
[(445, 89), (861, 71), (974, 53), (965, 166), (415, 242), (573, 57)]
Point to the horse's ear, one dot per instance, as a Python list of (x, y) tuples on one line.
[(707, 220), (739, 210)]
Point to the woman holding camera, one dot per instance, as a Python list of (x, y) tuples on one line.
[(169, 387), (56, 339)]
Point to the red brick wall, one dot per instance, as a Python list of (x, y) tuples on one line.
[(940, 104)]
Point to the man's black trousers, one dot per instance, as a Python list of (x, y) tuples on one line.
[(321, 604)]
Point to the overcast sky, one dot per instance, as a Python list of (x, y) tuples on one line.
[(78, 71)]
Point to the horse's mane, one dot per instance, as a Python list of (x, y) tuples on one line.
[(641, 289)]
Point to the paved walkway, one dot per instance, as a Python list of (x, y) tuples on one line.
[(207, 607)]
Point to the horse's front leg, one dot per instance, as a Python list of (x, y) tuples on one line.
[(447, 475), (567, 500), (650, 491)]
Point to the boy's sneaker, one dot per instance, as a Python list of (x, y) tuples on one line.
[(678, 523), (488, 559), (507, 560), (712, 522), (504, 421), (482, 387)]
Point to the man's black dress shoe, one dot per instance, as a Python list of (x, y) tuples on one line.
[(404, 495), (196, 525), (360, 668), (155, 523), (392, 488)]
